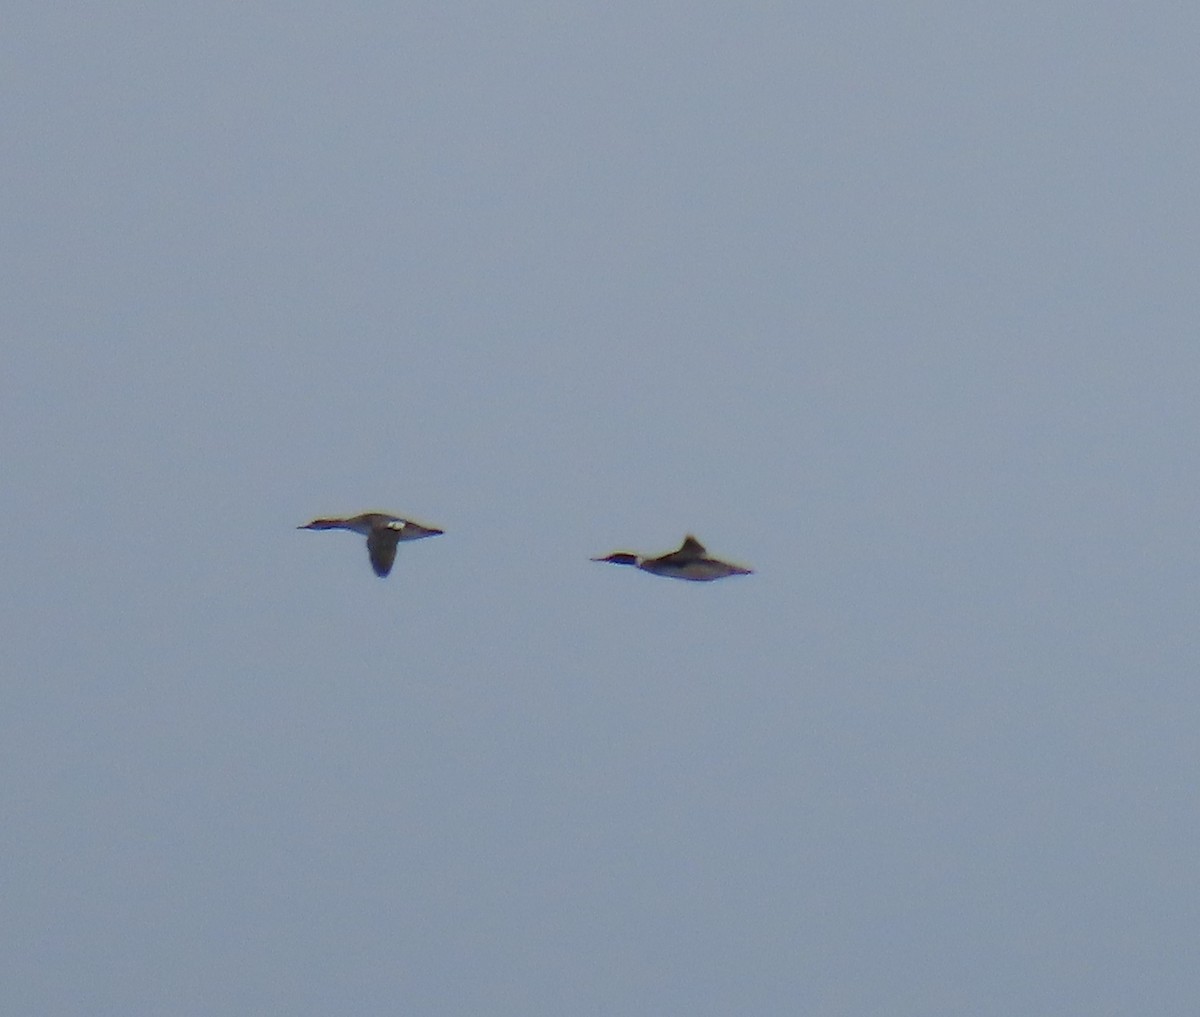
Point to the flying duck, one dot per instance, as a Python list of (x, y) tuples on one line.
[(383, 533), (691, 561)]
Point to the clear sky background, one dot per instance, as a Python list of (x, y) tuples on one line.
[(896, 303)]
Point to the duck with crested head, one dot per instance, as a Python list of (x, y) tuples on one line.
[(383, 532), (690, 561)]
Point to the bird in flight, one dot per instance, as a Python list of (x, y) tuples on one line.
[(383, 533), (690, 561)]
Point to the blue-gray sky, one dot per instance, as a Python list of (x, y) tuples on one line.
[(895, 303)]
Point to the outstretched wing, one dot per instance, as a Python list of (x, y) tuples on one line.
[(381, 546), (691, 547)]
